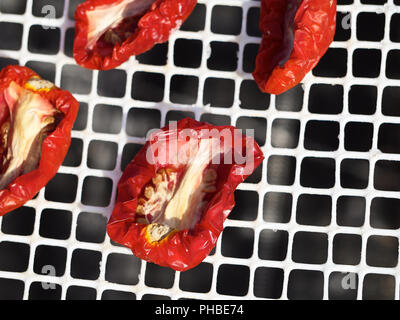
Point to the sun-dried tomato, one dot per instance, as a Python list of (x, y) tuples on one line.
[(36, 119), (108, 32), (175, 195), (295, 36)]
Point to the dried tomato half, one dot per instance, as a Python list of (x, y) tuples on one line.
[(108, 32), (295, 36), (175, 195), (36, 119)]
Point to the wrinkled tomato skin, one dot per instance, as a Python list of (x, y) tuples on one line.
[(184, 249), (155, 26), (314, 29), (55, 145)]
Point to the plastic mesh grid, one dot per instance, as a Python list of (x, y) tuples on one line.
[(323, 206)]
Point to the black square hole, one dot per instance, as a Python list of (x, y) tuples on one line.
[(343, 286), (347, 249), (391, 101), (230, 15), (82, 117), (219, 92), (358, 136), (198, 279), (141, 121), (285, 133), (291, 100), (273, 245), (216, 119), (197, 19), (256, 176), (387, 175), (10, 36), (174, 115), (50, 260), (350, 211), (237, 242), (96, 191), (74, 155), (317, 173), (253, 126), (111, 83), (277, 207), (385, 213), (62, 188), (188, 53), (382, 251), (13, 6), (362, 99), (183, 89), (159, 277), (76, 79), (155, 56), (11, 289), (55, 224), (354, 173), (310, 247), (281, 170), (117, 295), (378, 287), (226, 273), (395, 28), (107, 119), (85, 264), (129, 152), (51, 291), (20, 221), (44, 41), (253, 19), (367, 63), (81, 293), (45, 70), (393, 64), (322, 135), (91, 227), (72, 8), (314, 210), (268, 283), (333, 64), (223, 56), (251, 97), (246, 206), (155, 297), (370, 26), (326, 99), (123, 268), (305, 285), (387, 138), (147, 86), (102, 155), (4, 62), (69, 42), (250, 53), (14, 256)]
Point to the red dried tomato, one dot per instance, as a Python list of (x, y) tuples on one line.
[(108, 32), (36, 119), (175, 195), (295, 36)]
